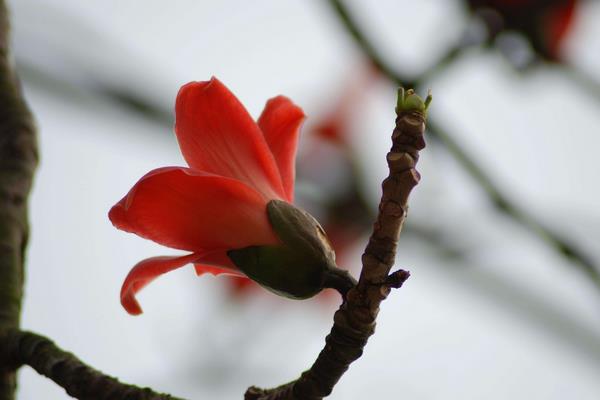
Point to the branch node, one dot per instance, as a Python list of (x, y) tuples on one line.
[(396, 279)]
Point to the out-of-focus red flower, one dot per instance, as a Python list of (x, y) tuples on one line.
[(545, 23), (344, 211), (218, 203), (334, 124), (239, 287)]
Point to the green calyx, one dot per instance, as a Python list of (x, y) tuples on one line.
[(280, 270), (409, 101), (302, 265)]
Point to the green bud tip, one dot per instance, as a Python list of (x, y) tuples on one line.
[(409, 101)]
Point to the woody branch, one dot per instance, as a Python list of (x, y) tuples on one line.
[(354, 322), (18, 159)]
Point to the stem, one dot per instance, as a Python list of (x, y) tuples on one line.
[(340, 280), (354, 321), (18, 159)]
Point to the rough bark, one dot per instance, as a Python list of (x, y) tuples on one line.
[(354, 322), (18, 159)]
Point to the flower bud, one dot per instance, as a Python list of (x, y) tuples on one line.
[(302, 265), (409, 101)]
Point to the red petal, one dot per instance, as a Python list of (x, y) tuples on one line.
[(145, 272), (191, 210), (216, 134), (280, 122)]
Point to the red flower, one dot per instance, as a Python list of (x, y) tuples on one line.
[(546, 23), (236, 166)]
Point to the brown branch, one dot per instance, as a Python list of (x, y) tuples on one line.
[(354, 322), (78, 379), (18, 159)]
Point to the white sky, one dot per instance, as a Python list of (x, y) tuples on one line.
[(516, 323)]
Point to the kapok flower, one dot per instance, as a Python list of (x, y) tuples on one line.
[(545, 23), (217, 207)]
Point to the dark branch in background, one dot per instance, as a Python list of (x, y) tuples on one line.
[(18, 160), (584, 81), (367, 46), (377, 59), (506, 206), (78, 379), (514, 298), (136, 104), (501, 201), (354, 322)]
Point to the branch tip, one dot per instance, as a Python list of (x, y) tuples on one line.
[(409, 101)]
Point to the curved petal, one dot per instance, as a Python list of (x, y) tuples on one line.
[(192, 210), (145, 272), (280, 122), (149, 269), (216, 134)]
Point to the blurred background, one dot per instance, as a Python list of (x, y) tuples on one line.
[(501, 241)]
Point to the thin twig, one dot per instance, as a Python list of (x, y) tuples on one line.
[(498, 198), (78, 379), (354, 322)]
